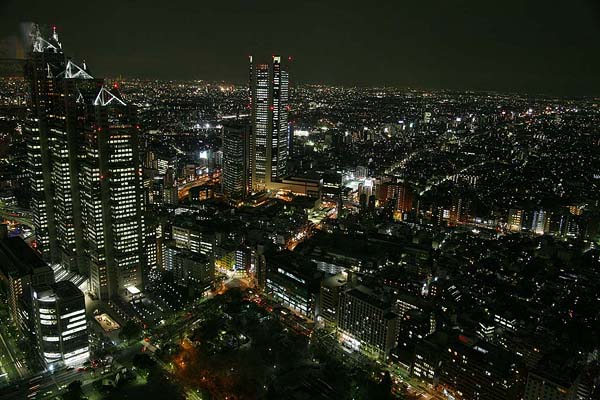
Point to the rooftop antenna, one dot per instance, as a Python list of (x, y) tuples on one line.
[(55, 36)]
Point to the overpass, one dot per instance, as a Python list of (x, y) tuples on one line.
[(184, 190)]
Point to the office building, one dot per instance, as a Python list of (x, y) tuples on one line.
[(46, 61), (61, 325), (565, 382), (157, 190), (540, 223), (236, 160), (330, 296), (196, 238), (21, 268), (269, 85), (113, 197), (366, 322), (87, 200), (293, 282), (332, 187), (152, 232), (515, 220), (468, 369), (54, 129), (193, 271), (170, 192)]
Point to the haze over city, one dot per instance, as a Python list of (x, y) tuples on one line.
[(515, 46)]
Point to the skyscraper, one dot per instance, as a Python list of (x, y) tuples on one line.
[(112, 197), (85, 172), (59, 89), (66, 126), (270, 140), (46, 60), (236, 148)]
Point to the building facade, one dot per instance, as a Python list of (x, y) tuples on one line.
[(21, 268), (269, 87), (113, 199), (366, 323), (236, 160), (61, 324), (46, 60), (329, 297), (293, 282), (84, 165)]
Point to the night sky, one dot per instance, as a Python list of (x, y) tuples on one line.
[(529, 46)]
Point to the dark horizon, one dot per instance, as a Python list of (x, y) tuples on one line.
[(518, 48)]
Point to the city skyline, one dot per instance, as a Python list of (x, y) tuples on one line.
[(269, 240), (523, 48)]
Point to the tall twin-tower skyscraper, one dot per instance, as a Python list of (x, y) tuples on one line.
[(86, 184), (84, 164), (256, 152)]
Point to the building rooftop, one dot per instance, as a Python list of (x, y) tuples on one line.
[(475, 349), (60, 290), (294, 263), (17, 258), (66, 289), (364, 294), (334, 281)]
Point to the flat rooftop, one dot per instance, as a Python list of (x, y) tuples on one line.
[(17, 258), (107, 323), (66, 289)]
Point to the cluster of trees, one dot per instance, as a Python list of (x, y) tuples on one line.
[(131, 330)]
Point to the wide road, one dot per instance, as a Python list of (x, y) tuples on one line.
[(184, 191), (6, 211), (16, 365), (5, 215), (48, 386)]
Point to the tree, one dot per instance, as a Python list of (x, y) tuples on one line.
[(380, 390), (130, 331), (143, 361), (234, 300), (73, 392), (168, 390)]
